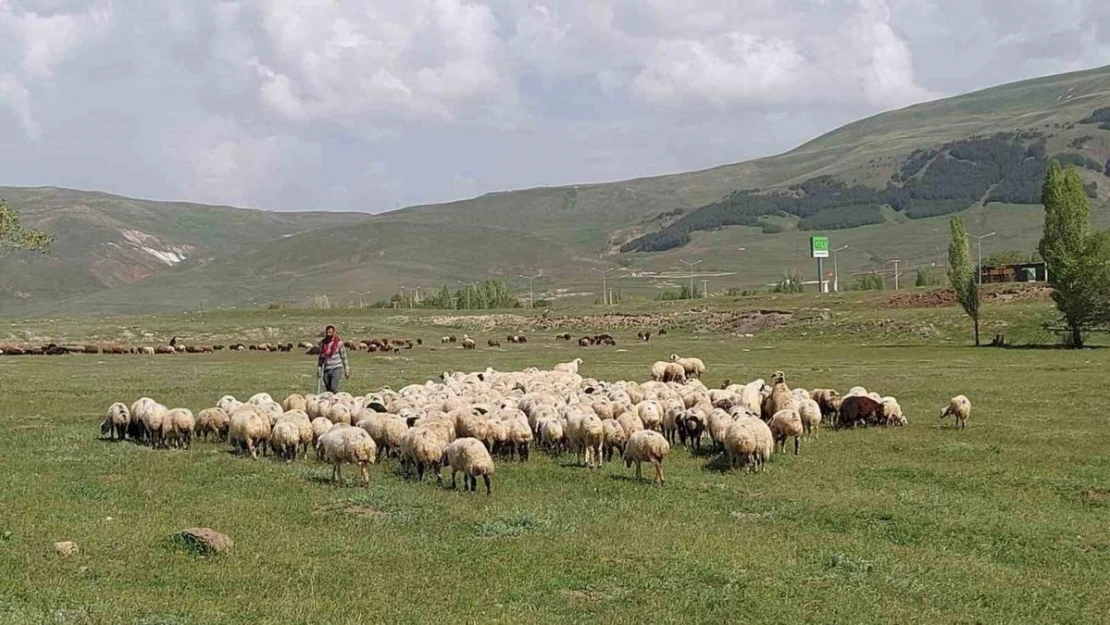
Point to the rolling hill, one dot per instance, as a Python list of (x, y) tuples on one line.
[(883, 185)]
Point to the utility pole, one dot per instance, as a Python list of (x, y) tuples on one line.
[(980, 238), (531, 296), (690, 268), (836, 270), (604, 288), (704, 289), (936, 246), (403, 289), (896, 261)]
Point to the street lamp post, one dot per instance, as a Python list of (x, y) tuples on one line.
[(979, 241), (690, 268), (895, 262), (531, 296), (836, 271), (604, 287)]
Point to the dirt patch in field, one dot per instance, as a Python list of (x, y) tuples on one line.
[(1097, 495), (698, 319), (939, 298), (361, 511)]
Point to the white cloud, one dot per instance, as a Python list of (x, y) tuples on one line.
[(373, 104)]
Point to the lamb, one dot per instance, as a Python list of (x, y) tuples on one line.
[(320, 427), (786, 423), (691, 426), (829, 401), (471, 458), (587, 437), (212, 421), (518, 436), (115, 421), (614, 438), (892, 412), (692, 367), (647, 446), (960, 408), (249, 430), (810, 412), (306, 437), (568, 367), (351, 445), (177, 427), (718, 426), (552, 434), (284, 440)]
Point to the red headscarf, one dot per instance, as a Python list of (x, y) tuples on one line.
[(329, 348)]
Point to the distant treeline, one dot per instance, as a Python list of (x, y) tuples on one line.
[(1006, 167), (1100, 116)]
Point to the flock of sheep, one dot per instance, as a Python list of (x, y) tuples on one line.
[(464, 420)]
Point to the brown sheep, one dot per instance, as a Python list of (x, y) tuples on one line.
[(857, 408)]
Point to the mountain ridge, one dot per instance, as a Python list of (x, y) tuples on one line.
[(577, 227)]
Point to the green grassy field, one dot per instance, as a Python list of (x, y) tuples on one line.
[(1002, 523)]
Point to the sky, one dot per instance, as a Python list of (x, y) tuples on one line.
[(373, 105)]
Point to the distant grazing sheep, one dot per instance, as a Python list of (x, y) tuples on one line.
[(958, 407)]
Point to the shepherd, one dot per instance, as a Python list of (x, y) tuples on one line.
[(332, 361)]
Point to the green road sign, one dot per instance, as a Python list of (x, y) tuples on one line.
[(819, 247)]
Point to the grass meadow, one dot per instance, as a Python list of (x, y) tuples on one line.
[(1002, 523)]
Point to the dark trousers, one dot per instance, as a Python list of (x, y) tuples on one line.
[(331, 379)]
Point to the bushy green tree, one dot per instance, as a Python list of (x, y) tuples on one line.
[(961, 275), (15, 238), (1078, 260)]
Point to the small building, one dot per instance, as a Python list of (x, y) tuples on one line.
[(1022, 272)]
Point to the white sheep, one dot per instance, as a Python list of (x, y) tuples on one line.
[(692, 367), (471, 458), (568, 367), (614, 438), (284, 440), (892, 412), (810, 412), (647, 446), (422, 447), (306, 437), (960, 408), (294, 402), (212, 421), (348, 445), (749, 442), (784, 424), (552, 434), (115, 421), (177, 427), (248, 430)]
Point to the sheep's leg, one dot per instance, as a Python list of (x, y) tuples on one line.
[(419, 471), (251, 450), (453, 472), (638, 475), (365, 471), (523, 452), (489, 492)]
